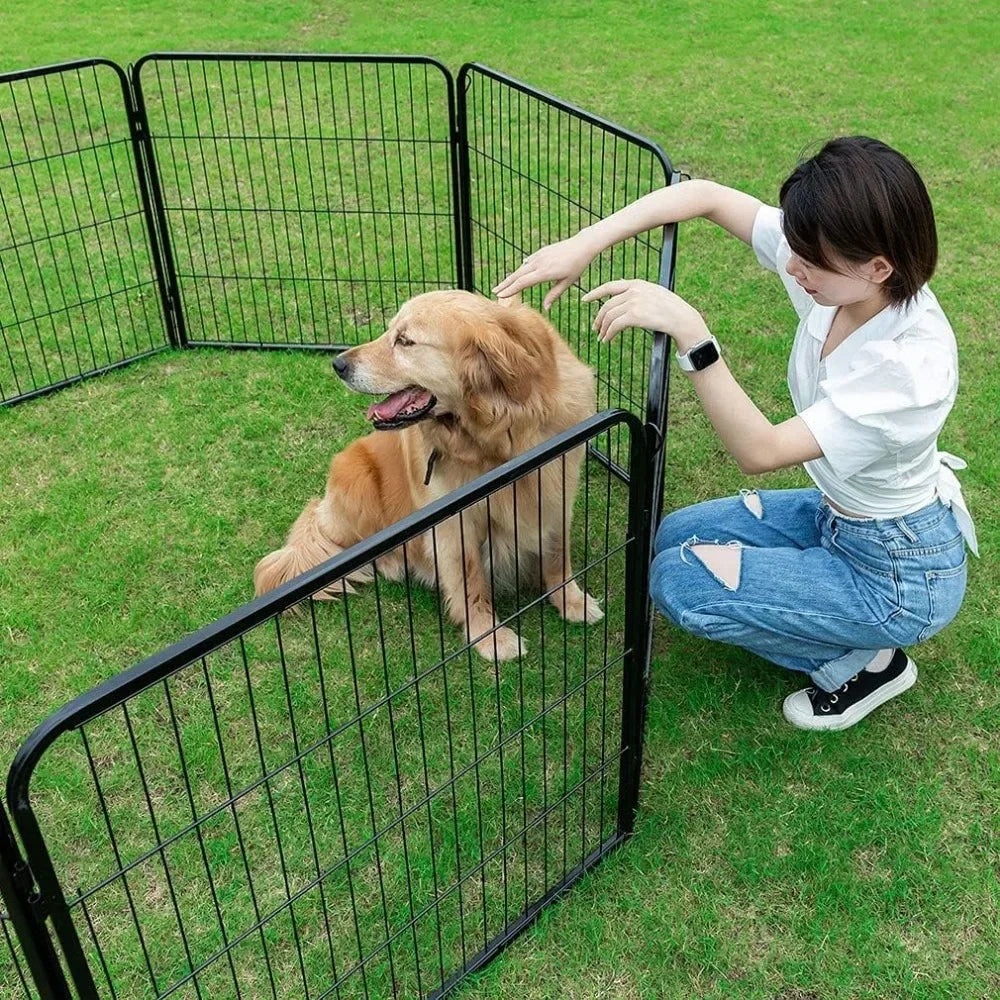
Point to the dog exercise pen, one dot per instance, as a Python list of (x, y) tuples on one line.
[(287, 805)]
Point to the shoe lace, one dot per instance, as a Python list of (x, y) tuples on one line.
[(823, 700)]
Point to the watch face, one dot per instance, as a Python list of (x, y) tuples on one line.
[(703, 355)]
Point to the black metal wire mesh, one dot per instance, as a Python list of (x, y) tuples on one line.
[(351, 801), (78, 291), (305, 197), (539, 171)]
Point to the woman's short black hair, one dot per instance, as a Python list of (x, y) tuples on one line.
[(856, 199)]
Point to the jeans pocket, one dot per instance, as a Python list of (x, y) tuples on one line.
[(945, 591)]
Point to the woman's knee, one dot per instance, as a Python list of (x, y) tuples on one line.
[(667, 585), (698, 520)]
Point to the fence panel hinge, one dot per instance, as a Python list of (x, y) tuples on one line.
[(654, 438), (21, 877)]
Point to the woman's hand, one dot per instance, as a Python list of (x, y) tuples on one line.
[(561, 262), (649, 306)]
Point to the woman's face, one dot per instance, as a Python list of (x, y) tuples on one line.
[(849, 284)]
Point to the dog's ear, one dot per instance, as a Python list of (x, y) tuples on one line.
[(507, 355)]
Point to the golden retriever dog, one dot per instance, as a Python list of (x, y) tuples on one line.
[(469, 384)]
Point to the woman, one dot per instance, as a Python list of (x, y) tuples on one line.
[(829, 581)]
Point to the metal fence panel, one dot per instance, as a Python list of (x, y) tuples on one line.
[(350, 801), (78, 286), (540, 169), (305, 197)]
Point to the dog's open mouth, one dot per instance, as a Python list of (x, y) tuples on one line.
[(401, 408)]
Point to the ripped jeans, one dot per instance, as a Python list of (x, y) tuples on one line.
[(805, 588)]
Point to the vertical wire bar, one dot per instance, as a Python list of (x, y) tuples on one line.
[(209, 208), (97, 946), (200, 836), (20, 264), (227, 212), (586, 650), (299, 207), (496, 678), (34, 243), (253, 210), (566, 564), (276, 279), (460, 207), (423, 757), (496, 216), (476, 172), (315, 209), (545, 711), (282, 213), (78, 288), (637, 625), (239, 829), (604, 664), (92, 207), (305, 797), (118, 859), (475, 725), (356, 175), (159, 848), (274, 816), (196, 203), (520, 697), (451, 752), (348, 240), (397, 289), (336, 780), (371, 801), (286, 216), (328, 211), (399, 785), (600, 266), (422, 255), (14, 959), (371, 192), (178, 187)]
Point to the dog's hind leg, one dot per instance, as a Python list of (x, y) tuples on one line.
[(309, 543)]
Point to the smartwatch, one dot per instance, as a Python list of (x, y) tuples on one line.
[(701, 355)]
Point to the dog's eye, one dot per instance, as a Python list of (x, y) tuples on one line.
[(403, 341)]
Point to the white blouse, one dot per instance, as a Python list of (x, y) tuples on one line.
[(877, 402)]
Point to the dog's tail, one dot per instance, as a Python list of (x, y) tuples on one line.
[(306, 547)]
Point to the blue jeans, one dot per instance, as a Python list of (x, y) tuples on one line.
[(816, 592)]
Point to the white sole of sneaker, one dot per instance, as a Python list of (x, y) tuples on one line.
[(864, 707)]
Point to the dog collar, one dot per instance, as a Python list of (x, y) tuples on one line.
[(432, 458)]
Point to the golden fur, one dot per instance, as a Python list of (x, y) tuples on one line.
[(504, 381)]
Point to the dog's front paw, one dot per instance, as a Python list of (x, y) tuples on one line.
[(577, 606), (503, 644)]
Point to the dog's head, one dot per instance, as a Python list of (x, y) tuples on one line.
[(456, 354)]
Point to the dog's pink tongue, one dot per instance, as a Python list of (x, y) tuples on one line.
[(399, 402)]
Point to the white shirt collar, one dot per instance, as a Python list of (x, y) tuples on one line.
[(884, 325)]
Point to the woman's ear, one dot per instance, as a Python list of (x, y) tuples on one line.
[(879, 270)]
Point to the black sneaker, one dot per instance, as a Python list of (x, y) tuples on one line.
[(813, 708)]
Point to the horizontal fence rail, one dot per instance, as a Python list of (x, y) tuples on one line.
[(304, 197), (350, 800), (78, 284)]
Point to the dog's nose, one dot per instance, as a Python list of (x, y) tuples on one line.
[(340, 365)]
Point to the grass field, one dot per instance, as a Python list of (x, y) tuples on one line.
[(767, 863)]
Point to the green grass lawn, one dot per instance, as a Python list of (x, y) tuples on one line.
[(767, 863)]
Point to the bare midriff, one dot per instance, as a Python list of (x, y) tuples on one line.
[(846, 513)]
